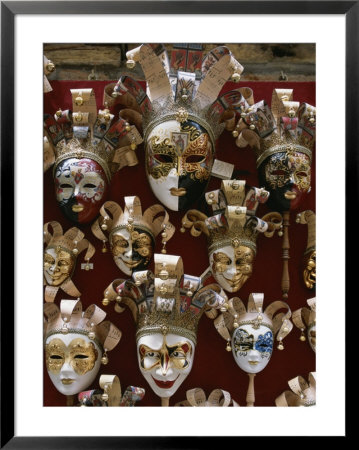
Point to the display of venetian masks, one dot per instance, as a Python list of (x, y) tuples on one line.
[(232, 231)]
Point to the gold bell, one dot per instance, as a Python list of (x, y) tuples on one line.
[(59, 112), (115, 94), (127, 127), (50, 66), (228, 347), (302, 336), (104, 397), (130, 63), (291, 113), (104, 359), (280, 346), (252, 126), (182, 229), (79, 100), (78, 117), (91, 335), (105, 301), (235, 77), (235, 133), (164, 274), (312, 120), (64, 330), (104, 226), (133, 146), (75, 251), (87, 267), (104, 248)]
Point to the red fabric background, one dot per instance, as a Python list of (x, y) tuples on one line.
[(213, 366)]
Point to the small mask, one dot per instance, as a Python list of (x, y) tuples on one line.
[(72, 362), (58, 265), (252, 347), (81, 188), (287, 176), (179, 158), (165, 361)]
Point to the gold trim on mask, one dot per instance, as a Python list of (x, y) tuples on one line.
[(174, 355)]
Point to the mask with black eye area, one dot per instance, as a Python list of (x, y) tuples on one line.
[(179, 160), (81, 187), (287, 176)]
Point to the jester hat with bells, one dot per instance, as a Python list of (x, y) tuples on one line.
[(166, 307), (131, 228), (305, 318), (302, 393), (249, 333), (60, 254), (232, 231), (180, 98)]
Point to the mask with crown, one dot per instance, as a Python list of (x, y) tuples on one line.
[(232, 231), (89, 146), (132, 235), (76, 343), (182, 115), (250, 333), (283, 138), (60, 255), (166, 307)]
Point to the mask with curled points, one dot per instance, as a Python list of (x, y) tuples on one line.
[(179, 160)]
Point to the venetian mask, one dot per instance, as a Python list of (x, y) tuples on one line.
[(58, 265), (309, 273), (179, 158), (165, 361), (72, 362), (287, 176), (133, 250), (81, 187), (231, 266), (252, 347)]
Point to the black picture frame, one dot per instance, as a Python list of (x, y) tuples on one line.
[(9, 10)]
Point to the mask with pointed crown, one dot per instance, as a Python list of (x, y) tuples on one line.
[(183, 115), (302, 393), (132, 235), (232, 231), (305, 319), (60, 254), (89, 146), (76, 343), (166, 307), (283, 138), (250, 331)]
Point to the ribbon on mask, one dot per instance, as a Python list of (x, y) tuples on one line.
[(197, 397)]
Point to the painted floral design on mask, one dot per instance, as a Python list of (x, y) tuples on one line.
[(287, 176), (58, 265), (81, 187), (252, 347), (132, 250), (72, 362), (179, 162)]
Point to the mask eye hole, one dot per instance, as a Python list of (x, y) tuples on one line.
[(65, 186), (278, 172), (194, 159), (301, 174), (56, 357), (81, 356), (90, 185), (163, 158)]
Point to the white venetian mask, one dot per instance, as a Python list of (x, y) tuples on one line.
[(165, 361), (252, 347), (179, 159), (72, 362)]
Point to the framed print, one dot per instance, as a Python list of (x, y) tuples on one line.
[(265, 129)]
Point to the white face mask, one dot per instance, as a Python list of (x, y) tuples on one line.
[(165, 361), (179, 160), (131, 251), (252, 348), (231, 267), (312, 337), (72, 361)]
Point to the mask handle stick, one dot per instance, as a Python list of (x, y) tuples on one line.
[(250, 399), (70, 400), (165, 401), (285, 255)]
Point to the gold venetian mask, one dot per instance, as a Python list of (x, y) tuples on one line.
[(79, 355), (309, 272), (58, 265)]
